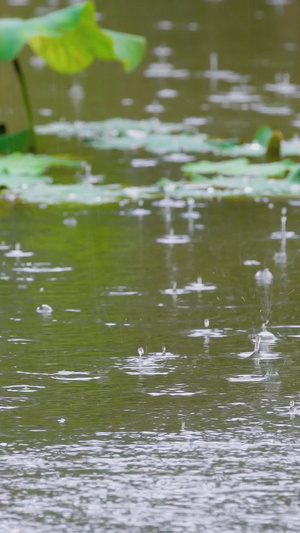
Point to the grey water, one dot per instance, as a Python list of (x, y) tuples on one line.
[(130, 405)]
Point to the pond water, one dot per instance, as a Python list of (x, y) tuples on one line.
[(148, 395)]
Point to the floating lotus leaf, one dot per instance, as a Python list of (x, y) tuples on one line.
[(240, 167), (31, 165), (159, 137)]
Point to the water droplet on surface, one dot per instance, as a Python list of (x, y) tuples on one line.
[(71, 222), (264, 277), (251, 262), (266, 336), (4, 246), (127, 101), (76, 94), (44, 309), (17, 252), (293, 410), (155, 108), (199, 286)]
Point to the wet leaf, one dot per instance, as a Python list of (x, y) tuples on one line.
[(263, 135), (239, 167), (159, 137), (248, 187), (69, 40), (31, 165), (15, 142)]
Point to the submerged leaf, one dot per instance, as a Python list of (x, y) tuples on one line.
[(69, 40)]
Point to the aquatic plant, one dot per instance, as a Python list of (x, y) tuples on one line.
[(68, 40)]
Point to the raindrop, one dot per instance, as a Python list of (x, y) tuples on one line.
[(167, 93), (76, 94), (293, 411), (162, 51), (44, 309), (250, 262), (164, 25), (264, 277), (154, 108), (200, 286), (17, 252), (174, 239), (71, 222), (127, 101), (264, 335), (4, 246), (190, 213)]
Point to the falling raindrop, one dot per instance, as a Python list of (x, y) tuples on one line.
[(141, 351), (281, 257)]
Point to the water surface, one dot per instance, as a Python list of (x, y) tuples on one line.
[(196, 436)]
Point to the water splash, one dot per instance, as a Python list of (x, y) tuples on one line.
[(171, 238), (283, 234), (17, 252), (167, 200), (199, 286), (4, 246), (141, 351), (174, 290), (44, 309), (255, 353), (266, 336), (293, 410), (264, 277), (139, 211), (191, 213)]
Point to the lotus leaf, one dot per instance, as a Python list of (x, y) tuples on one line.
[(239, 167), (155, 136), (69, 40)]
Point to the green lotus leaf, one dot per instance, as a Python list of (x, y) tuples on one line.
[(240, 167), (69, 40), (15, 142), (31, 165)]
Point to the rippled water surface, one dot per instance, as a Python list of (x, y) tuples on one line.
[(196, 432)]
